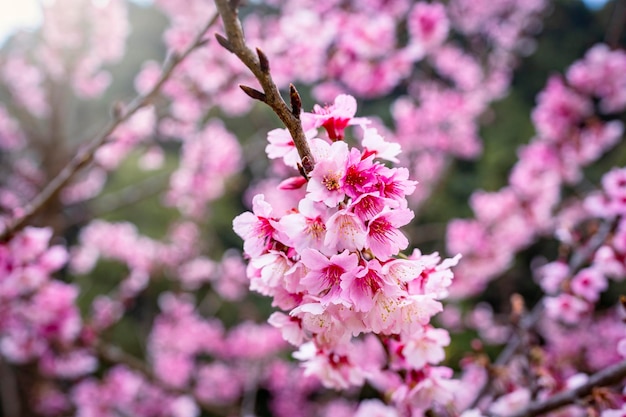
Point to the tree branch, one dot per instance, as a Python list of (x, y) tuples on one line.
[(126, 197), (259, 65), (605, 377), (85, 154), (530, 320)]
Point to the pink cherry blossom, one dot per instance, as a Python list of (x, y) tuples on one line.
[(512, 402), (290, 327), (325, 275), (256, 228), (383, 237), (360, 176), (326, 179), (395, 183), (375, 408), (345, 230), (427, 386), (614, 184), (552, 275), (307, 227), (597, 74), (566, 307), (281, 145), (425, 347), (428, 25), (30, 244), (337, 116), (272, 268), (334, 369), (373, 142), (361, 288), (589, 283), (218, 384), (559, 109), (608, 262), (323, 245), (69, 365), (403, 270), (368, 205), (391, 315), (436, 275)]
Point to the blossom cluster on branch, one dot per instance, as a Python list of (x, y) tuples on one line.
[(571, 134), (333, 260), (102, 316)]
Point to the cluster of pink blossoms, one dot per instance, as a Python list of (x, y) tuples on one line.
[(368, 48), (39, 319), (578, 336), (332, 260), (571, 134), (572, 298)]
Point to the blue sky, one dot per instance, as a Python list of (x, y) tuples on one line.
[(595, 4)]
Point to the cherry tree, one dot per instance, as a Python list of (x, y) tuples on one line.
[(361, 320)]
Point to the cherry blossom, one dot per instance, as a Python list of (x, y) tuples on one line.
[(333, 261), (325, 244)]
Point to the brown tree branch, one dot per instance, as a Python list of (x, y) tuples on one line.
[(529, 321), (260, 67), (85, 154), (608, 376)]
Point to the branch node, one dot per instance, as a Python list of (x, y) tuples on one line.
[(264, 63), (296, 102), (303, 172), (307, 165), (253, 93), (225, 43)]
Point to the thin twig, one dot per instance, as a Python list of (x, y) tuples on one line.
[(126, 197), (603, 378), (259, 65), (530, 321), (85, 154)]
